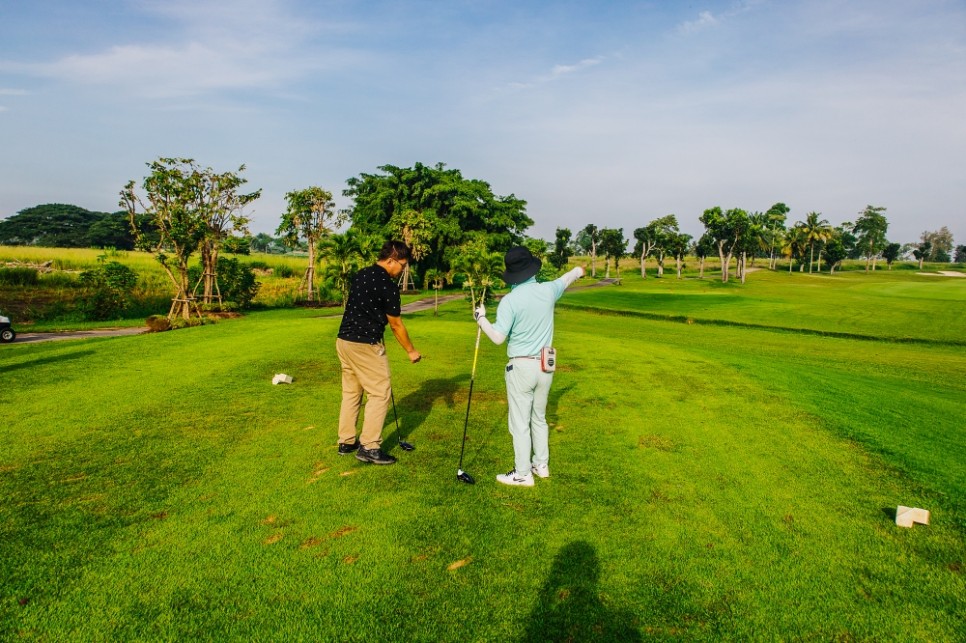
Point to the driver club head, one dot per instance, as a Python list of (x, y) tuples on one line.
[(405, 446), (462, 476)]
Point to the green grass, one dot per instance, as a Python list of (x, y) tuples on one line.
[(709, 482), (881, 305)]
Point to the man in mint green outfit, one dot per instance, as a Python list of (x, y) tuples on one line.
[(525, 318)]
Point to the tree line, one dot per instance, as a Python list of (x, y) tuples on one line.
[(735, 235), (457, 228)]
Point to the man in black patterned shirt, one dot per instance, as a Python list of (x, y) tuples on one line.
[(373, 302)]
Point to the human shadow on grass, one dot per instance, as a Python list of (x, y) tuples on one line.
[(414, 407), (47, 360), (569, 608)]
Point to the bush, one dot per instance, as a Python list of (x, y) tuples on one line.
[(157, 323), (19, 276), (111, 285), (236, 282)]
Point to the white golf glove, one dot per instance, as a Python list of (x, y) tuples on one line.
[(479, 312)]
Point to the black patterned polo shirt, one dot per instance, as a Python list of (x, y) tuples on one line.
[(372, 296)]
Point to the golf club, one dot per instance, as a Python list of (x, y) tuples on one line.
[(405, 446), (461, 475)]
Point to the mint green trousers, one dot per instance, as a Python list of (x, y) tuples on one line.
[(527, 390)]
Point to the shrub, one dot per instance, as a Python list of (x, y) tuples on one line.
[(236, 282), (19, 276), (158, 323), (111, 284)]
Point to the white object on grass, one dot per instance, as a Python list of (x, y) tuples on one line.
[(282, 378), (906, 516)]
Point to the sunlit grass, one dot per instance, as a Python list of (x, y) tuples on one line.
[(708, 483)]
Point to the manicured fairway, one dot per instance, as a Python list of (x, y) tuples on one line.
[(708, 482)]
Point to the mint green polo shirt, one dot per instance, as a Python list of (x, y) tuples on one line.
[(525, 316)]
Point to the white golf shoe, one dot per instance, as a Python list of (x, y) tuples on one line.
[(515, 479), (540, 470)]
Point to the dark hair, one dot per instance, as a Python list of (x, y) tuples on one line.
[(394, 250)]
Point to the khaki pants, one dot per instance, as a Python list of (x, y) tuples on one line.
[(365, 369)]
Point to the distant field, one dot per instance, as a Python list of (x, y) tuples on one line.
[(709, 481), (883, 304)]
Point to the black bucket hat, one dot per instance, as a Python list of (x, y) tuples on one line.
[(520, 265)]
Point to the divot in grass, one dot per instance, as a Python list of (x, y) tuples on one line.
[(459, 563)]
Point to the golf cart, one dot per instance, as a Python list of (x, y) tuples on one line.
[(7, 333)]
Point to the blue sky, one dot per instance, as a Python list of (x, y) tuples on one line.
[(613, 113)]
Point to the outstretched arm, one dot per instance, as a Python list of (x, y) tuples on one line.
[(495, 336)]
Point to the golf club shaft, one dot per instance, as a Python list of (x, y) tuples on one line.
[(469, 398)]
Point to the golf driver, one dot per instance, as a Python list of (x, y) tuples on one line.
[(461, 475), (405, 446)]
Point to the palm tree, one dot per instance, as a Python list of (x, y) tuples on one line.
[(815, 229), (793, 244)]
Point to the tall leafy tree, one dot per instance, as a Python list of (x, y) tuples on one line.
[(941, 244), (309, 217), (613, 243), (453, 206), (871, 228), (817, 230), (774, 227), (174, 202), (59, 225), (677, 246), (891, 252), (223, 213), (416, 230), (794, 245), (922, 252), (960, 256), (836, 250), (561, 248), (727, 229), (592, 234), (703, 247)]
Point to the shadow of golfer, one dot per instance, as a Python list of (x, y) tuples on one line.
[(569, 608), (415, 407)]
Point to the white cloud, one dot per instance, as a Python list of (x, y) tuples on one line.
[(705, 20)]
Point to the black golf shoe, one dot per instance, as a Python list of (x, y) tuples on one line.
[(346, 449), (374, 456)]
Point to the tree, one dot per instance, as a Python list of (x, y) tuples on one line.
[(793, 247), (774, 227), (111, 231), (816, 230), (704, 246), (870, 228), (614, 245), (344, 256), (891, 252), (653, 238), (561, 248), (592, 234), (922, 251), (310, 216), (436, 279), (726, 228), (960, 254), (677, 246), (453, 206), (58, 225), (222, 213), (176, 197), (835, 250), (416, 231), (942, 244), (480, 266)]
